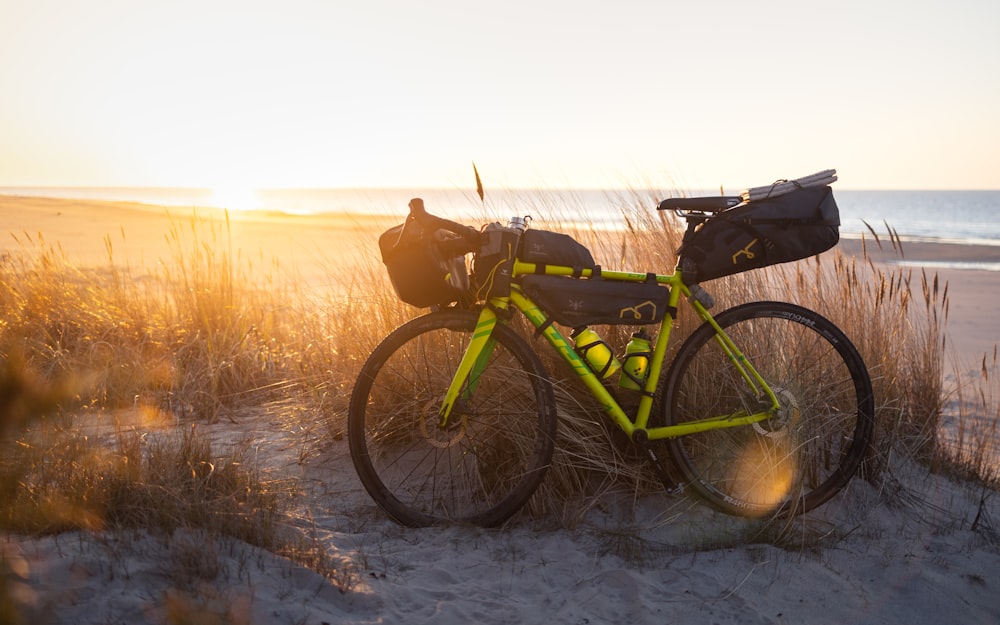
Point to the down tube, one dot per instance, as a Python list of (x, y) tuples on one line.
[(565, 349)]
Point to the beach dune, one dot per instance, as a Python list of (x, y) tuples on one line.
[(931, 555)]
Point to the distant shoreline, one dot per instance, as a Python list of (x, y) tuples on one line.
[(921, 250)]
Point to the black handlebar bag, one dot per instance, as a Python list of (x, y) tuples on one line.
[(760, 233), (420, 273)]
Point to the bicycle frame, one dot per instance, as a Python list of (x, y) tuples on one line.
[(480, 348)]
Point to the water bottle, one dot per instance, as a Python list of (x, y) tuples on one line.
[(595, 352), (519, 223), (635, 363)]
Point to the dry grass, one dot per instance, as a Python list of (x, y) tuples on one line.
[(969, 444), (896, 316), (213, 332), (55, 480)]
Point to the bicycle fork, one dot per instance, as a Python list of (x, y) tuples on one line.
[(472, 365)]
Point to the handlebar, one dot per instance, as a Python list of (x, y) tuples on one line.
[(469, 239)]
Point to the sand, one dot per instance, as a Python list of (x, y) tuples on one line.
[(93, 232), (926, 552), (916, 557), (974, 295)]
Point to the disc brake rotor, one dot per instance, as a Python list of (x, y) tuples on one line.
[(445, 437), (783, 420)]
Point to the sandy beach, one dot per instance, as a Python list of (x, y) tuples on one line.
[(974, 295), (140, 235), (926, 553)]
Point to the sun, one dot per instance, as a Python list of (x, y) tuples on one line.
[(235, 198)]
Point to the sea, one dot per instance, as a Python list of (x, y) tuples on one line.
[(962, 217)]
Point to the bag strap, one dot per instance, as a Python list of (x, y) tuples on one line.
[(783, 221), (781, 187), (577, 270)]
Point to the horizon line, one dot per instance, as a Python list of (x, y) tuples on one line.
[(431, 188)]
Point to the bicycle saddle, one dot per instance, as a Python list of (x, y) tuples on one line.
[(712, 204)]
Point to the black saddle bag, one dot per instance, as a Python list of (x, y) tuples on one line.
[(793, 226)]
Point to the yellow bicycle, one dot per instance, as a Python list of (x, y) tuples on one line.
[(766, 408)]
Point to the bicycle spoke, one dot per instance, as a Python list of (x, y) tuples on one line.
[(492, 453), (802, 455)]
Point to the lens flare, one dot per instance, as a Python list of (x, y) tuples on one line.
[(764, 472)]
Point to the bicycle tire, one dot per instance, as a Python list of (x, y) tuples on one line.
[(814, 445), (488, 462)]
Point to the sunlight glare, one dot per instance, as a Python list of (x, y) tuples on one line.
[(235, 198)]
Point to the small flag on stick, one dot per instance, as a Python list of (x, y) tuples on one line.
[(479, 183)]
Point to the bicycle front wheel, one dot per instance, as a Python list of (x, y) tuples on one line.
[(806, 452), (493, 453)]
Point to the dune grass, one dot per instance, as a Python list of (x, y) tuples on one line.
[(211, 333)]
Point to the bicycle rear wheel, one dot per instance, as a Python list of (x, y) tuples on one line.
[(498, 443), (804, 454)]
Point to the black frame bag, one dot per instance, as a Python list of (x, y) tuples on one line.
[(760, 233), (420, 274), (577, 302)]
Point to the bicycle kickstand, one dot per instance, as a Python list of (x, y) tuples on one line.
[(672, 487)]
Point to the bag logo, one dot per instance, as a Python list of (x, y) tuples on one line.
[(536, 248), (637, 311), (745, 252)]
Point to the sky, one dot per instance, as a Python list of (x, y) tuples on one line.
[(538, 93)]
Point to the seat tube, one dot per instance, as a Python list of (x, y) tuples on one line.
[(656, 362)]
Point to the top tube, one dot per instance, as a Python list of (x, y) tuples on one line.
[(522, 268)]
